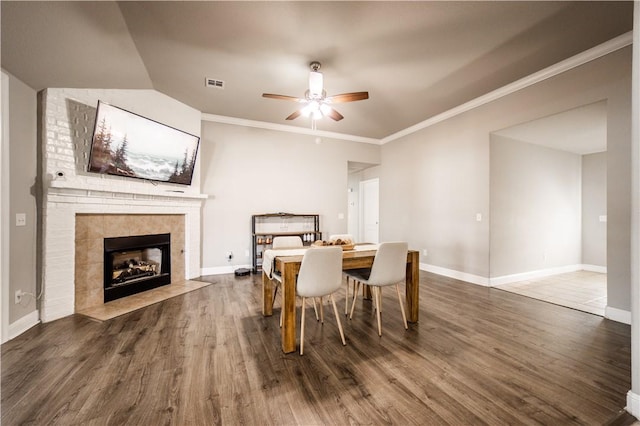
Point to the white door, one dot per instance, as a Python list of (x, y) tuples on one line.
[(369, 202)]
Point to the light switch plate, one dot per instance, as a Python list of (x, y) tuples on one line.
[(21, 219)]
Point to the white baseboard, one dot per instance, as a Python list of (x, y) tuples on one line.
[(220, 270), (530, 275), (633, 404), (23, 324), (462, 276), (507, 279), (618, 315), (594, 268)]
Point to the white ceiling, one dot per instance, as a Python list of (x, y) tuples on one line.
[(416, 59), (581, 130)]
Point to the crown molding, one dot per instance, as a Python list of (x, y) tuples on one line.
[(284, 128), (596, 52)]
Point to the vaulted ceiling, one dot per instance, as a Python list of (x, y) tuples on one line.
[(416, 59)]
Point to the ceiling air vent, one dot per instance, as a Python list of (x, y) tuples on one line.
[(212, 82)]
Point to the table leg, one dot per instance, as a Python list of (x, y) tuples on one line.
[(288, 330), (366, 292), (413, 287), (267, 295)]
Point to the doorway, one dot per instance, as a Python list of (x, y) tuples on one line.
[(548, 192), (363, 201), (370, 211)]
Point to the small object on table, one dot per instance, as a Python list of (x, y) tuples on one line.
[(345, 244)]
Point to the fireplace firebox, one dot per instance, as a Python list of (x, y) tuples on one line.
[(136, 264)]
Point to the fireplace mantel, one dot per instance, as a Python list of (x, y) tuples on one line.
[(77, 189)]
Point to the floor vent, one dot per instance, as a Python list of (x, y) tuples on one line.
[(212, 82)]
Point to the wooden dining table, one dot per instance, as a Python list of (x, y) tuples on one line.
[(289, 266)]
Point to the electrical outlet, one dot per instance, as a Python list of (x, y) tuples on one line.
[(424, 252), (18, 296), (229, 256), (246, 254)]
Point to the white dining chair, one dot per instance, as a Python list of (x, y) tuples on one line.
[(344, 237), (287, 242), (283, 243), (320, 275), (389, 268)]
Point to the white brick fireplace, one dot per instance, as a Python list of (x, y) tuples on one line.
[(68, 189)]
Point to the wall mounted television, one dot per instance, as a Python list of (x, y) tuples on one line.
[(128, 144)]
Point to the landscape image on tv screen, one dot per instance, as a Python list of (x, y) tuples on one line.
[(127, 144)]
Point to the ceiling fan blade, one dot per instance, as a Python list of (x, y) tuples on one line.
[(348, 97), (294, 115), (334, 115), (282, 97)]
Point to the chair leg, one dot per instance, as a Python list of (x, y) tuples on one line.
[(404, 317), (366, 292), (346, 299), (335, 310), (321, 311), (355, 296), (315, 309), (304, 305), (377, 294), (379, 304)]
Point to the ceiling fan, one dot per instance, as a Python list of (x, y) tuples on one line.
[(316, 102)]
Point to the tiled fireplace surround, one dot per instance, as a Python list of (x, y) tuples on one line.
[(80, 208), (92, 229)]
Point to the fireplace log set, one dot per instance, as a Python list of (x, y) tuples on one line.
[(133, 269), (135, 264)]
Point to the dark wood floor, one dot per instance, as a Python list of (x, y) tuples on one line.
[(477, 356)]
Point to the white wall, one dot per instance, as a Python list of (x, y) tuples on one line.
[(432, 185), (4, 207), (19, 196), (633, 396), (250, 171), (434, 181), (594, 206), (536, 207), (23, 189)]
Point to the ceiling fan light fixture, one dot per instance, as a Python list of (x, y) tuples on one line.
[(309, 108), (315, 84), (325, 109), (315, 101), (314, 109)]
